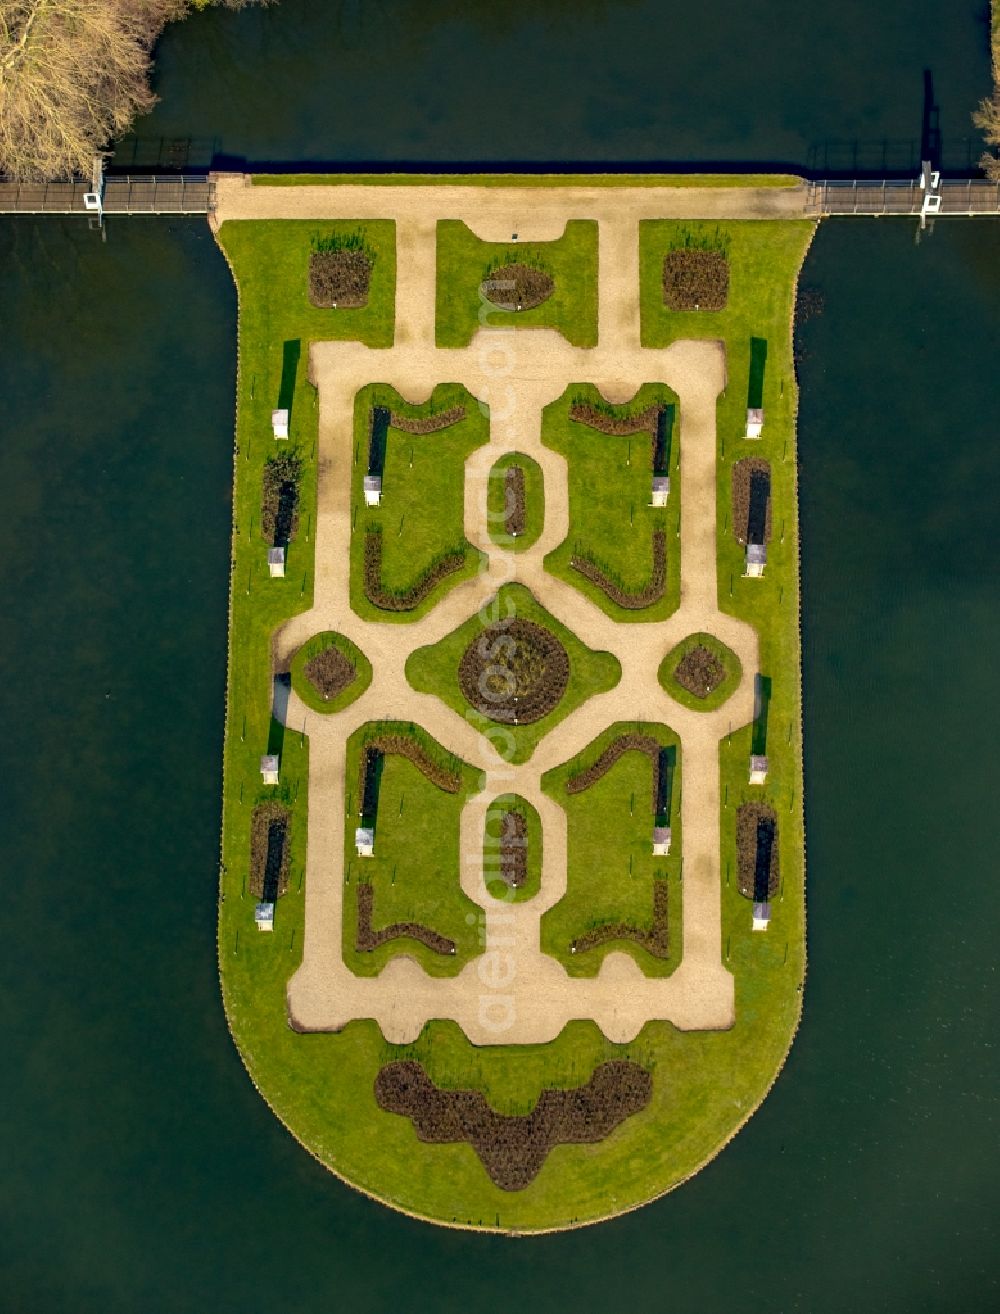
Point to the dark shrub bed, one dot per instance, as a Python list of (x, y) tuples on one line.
[(514, 672), (340, 270), (427, 423), (695, 279), (269, 850), (656, 940), (515, 509), (758, 875), (280, 500), (632, 743), (404, 599), (513, 1147), (513, 865), (699, 671), (752, 500), (631, 600), (368, 939), (403, 745), (329, 672), (517, 286)]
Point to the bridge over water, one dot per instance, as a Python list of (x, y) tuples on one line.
[(179, 193)]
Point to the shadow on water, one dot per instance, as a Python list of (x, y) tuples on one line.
[(758, 363), (930, 127)]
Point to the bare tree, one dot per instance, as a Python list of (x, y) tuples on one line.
[(73, 75), (987, 116)]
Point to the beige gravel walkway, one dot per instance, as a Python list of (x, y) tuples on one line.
[(513, 993)]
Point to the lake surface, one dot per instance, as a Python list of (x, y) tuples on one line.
[(141, 1172), (836, 89)]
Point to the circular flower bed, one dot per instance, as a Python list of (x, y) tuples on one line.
[(330, 672), (517, 287), (514, 672), (700, 671)]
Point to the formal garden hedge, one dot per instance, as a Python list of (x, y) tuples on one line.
[(367, 938), (631, 743), (329, 672), (514, 672), (423, 424), (410, 598), (513, 1147), (340, 271), (655, 939), (611, 587), (445, 777)]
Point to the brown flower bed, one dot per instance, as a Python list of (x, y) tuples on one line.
[(514, 672), (631, 600), (631, 743), (427, 423), (516, 286), (513, 865), (695, 280), (280, 498), (270, 849), (758, 875), (329, 672), (513, 1147), (514, 507), (367, 939), (699, 671), (752, 500), (656, 940), (403, 745), (339, 278), (404, 599), (604, 422)]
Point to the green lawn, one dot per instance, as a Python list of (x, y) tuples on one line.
[(416, 868), (435, 670), (423, 496), (610, 485), (320, 1085), (497, 886), (534, 502), (527, 179), (733, 667), (463, 261), (305, 688), (611, 862)]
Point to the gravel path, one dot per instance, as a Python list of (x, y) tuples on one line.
[(513, 993)]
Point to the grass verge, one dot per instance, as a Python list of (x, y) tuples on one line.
[(421, 515), (463, 261), (610, 485), (611, 863)]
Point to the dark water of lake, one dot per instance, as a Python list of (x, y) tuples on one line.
[(832, 88), (140, 1171)]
